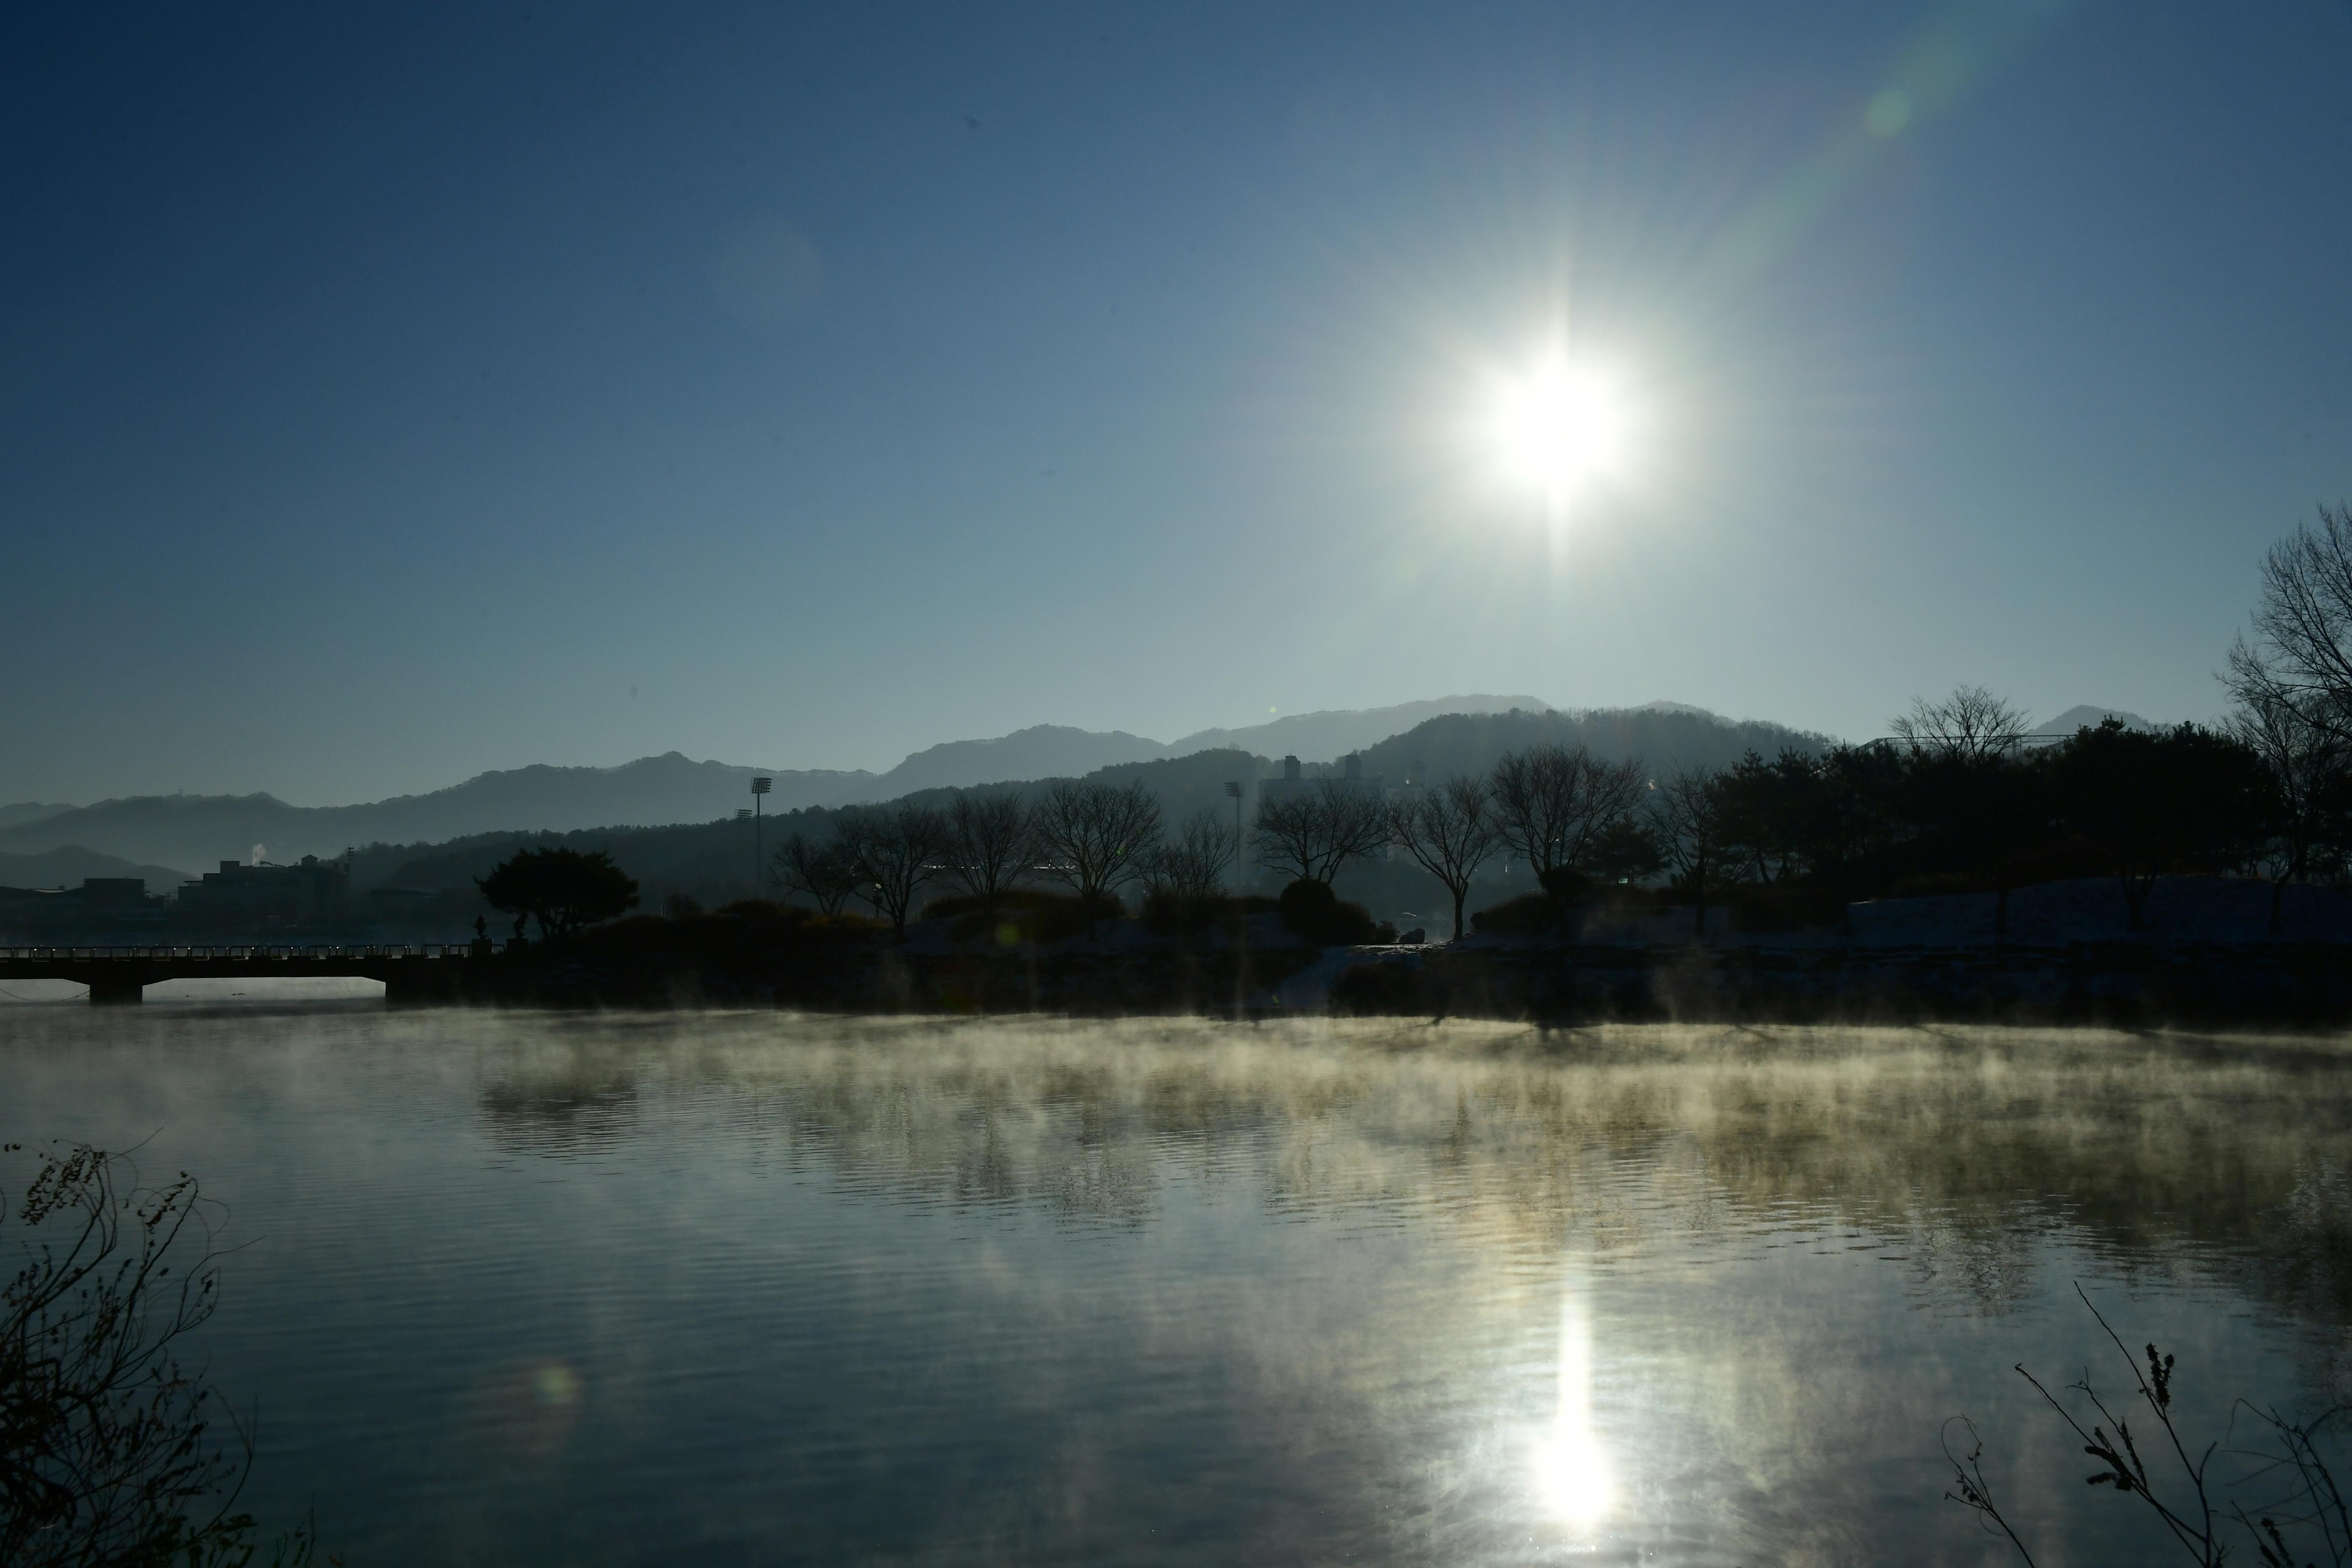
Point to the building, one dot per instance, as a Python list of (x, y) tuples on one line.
[(1292, 781), (315, 890)]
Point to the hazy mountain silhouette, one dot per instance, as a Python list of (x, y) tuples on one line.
[(67, 868), (200, 831), (2084, 716), (1664, 736), (1040, 751), (1320, 736), (27, 811), (1057, 750)]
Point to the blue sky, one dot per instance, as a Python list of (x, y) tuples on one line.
[(395, 393)]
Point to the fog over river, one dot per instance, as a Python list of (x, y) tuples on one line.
[(745, 1289)]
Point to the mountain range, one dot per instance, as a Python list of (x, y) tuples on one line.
[(197, 832), (149, 835), (2083, 716), (72, 865)]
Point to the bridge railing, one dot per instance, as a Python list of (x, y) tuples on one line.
[(271, 952)]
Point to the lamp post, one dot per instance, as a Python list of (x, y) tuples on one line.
[(1233, 788), (760, 787)]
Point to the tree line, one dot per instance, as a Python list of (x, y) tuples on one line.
[(1958, 797)]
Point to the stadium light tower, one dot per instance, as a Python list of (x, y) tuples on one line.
[(759, 788)]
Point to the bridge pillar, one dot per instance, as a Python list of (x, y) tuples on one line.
[(118, 990)]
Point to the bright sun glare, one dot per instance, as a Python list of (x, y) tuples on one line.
[(1570, 1469), (1558, 426)]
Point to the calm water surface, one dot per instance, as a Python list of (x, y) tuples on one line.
[(748, 1290)]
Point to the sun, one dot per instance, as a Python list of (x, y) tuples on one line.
[(1558, 426)]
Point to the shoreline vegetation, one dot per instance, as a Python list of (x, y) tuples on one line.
[(1247, 958), (111, 1450)]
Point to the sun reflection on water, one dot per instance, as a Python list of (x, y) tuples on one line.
[(1569, 1468)]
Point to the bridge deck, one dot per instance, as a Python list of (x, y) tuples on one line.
[(247, 952), (119, 974)]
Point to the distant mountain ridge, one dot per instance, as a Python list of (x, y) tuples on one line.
[(199, 831), (203, 830), (1334, 732), (69, 867), (2084, 716), (1410, 740), (1040, 751)]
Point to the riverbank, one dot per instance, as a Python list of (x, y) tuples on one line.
[(1262, 971)]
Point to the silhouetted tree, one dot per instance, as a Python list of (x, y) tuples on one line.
[(2184, 799), (562, 890), (825, 869), (1306, 835), (989, 843), (106, 1451), (1625, 851), (894, 849), (1972, 724), (1093, 836), (1975, 809), (2310, 793), (1552, 803), (2300, 656), (1762, 807), (1848, 818), (1686, 817), (1195, 865), (1449, 832)]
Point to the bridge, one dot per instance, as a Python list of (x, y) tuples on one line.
[(411, 973)]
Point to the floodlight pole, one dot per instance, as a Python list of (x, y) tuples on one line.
[(760, 787), (1233, 788)]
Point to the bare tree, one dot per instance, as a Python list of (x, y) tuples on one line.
[(1092, 836), (896, 849), (1685, 811), (1970, 725), (1552, 803), (827, 871), (1195, 865), (1309, 834), (2301, 652), (2310, 769), (1449, 832), (990, 844)]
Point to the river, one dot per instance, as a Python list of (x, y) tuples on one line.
[(747, 1289)]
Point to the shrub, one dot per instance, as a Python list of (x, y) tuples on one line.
[(1313, 911), (106, 1448), (1528, 914), (757, 922), (1564, 886), (1180, 914), (1023, 915), (1764, 909)]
